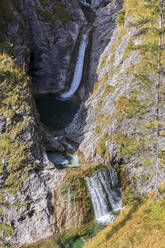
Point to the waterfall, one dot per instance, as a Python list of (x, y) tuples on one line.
[(105, 194), (62, 161), (78, 69)]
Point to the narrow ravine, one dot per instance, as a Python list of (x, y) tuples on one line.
[(82, 123), (103, 184), (101, 187)]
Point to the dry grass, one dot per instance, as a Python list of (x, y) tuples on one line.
[(138, 226)]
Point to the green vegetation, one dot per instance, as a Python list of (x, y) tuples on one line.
[(102, 148), (73, 238), (86, 231), (78, 189), (6, 229), (45, 3), (127, 146), (14, 151), (140, 224), (10, 14), (121, 17), (57, 12), (140, 103), (128, 107), (6, 16), (45, 14), (60, 11), (100, 82), (16, 158)]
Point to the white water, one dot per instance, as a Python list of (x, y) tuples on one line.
[(78, 69), (64, 161), (105, 195), (84, 3), (74, 161)]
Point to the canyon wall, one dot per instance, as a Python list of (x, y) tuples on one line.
[(120, 121), (41, 38)]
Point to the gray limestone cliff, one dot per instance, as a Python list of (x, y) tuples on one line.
[(44, 37), (120, 120)]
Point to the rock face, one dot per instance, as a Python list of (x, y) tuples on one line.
[(73, 205), (103, 26), (28, 179), (121, 123), (43, 41), (45, 38), (52, 32), (52, 43), (123, 120)]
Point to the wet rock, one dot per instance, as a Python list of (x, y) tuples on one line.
[(107, 120)]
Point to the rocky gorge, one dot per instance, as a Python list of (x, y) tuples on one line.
[(81, 108)]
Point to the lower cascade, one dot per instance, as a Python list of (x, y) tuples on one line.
[(105, 194), (62, 161)]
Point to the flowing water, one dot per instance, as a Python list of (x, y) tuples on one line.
[(103, 185), (78, 69), (62, 161), (85, 3), (57, 113), (105, 194)]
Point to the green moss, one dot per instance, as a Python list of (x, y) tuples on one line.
[(1, 197), (121, 17), (15, 153), (103, 61), (69, 238), (127, 146), (98, 129), (19, 205), (100, 82), (7, 16), (45, 14), (86, 231), (108, 89), (45, 3), (101, 147), (131, 198), (128, 107), (6, 229), (78, 190), (58, 12)]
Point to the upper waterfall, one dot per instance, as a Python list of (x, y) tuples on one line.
[(105, 194), (78, 69)]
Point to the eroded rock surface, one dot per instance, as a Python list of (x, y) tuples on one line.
[(120, 123), (123, 120), (45, 37)]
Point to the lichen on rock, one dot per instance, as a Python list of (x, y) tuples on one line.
[(126, 103)]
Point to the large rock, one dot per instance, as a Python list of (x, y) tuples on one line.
[(123, 119), (53, 30)]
